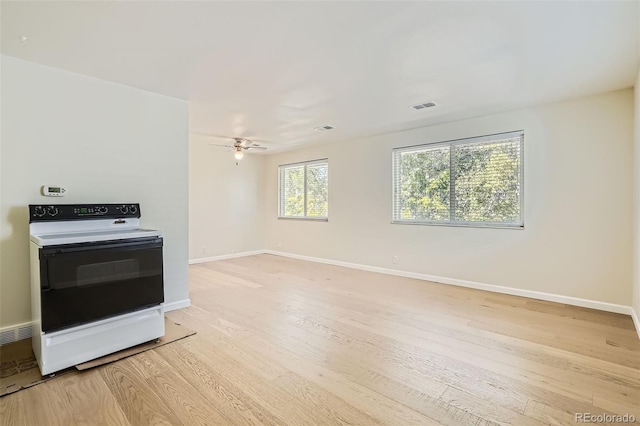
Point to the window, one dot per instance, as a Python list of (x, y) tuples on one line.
[(472, 182), (304, 190)]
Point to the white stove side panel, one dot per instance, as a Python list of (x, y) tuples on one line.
[(36, 319)]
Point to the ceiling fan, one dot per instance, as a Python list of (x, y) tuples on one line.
[(240, 145)]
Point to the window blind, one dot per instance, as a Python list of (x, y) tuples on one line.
[(476, 182)]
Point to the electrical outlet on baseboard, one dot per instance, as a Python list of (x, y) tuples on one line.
[(203, 250), (394, 259), (279, 244)]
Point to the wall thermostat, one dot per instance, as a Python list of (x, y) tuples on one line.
[(53, 191)]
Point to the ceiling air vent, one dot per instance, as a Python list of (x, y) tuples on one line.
[(423, 106), (324, 128)]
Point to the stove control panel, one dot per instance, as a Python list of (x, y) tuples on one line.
[(50, 212)]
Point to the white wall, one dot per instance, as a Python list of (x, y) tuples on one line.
[(636, 203), (578, 177), (106, 143), (226, 203), (1, 221)]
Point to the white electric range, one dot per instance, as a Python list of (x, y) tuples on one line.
[(96, 282)]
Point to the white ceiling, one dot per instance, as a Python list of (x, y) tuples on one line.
[(274, 70)]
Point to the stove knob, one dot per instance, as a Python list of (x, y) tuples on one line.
[(52, 210), (39, 211), (102, 210), (124, 209), (133, 209)]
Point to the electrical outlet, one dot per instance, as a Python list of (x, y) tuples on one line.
[(234, 251), (394, 259), (279, 244), (203, 250)]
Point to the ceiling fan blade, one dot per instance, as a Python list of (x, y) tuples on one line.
[(223, 146), (238, 141), (244, 143), (256, 147)]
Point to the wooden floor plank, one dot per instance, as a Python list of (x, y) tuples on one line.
[(12, 409), (182, 399), (549, 415), (283, 341), (136, 399), (91, 401), (494, 412), (229, 398), (48, 404)]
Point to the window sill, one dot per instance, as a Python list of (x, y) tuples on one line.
[(311, 219), (462, 225)]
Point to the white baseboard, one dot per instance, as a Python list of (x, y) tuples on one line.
[(16, 332), (225, 256), (179, 304), (636, 320), (568, 300)]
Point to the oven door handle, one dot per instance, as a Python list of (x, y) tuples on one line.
[(128, 245)]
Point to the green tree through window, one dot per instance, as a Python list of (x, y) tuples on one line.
[(472, 181), (304, 190)]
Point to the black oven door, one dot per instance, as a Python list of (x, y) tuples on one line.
[(85, 282)]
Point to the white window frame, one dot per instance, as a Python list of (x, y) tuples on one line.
[(281, 208), (487, 139)]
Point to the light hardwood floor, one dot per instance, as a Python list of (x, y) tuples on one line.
[(283, 341)]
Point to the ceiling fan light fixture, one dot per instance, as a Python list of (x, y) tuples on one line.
[(238, 154)]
